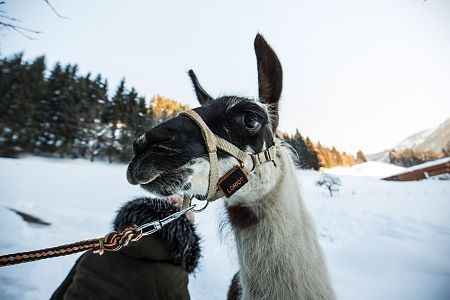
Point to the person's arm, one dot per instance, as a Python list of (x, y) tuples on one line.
[(61, 290)]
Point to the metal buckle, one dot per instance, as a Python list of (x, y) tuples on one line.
[(267, 155), (256, 162)]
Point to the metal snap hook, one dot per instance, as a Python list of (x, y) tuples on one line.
[(197, 210)]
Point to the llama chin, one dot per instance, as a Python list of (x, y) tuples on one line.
[(199, 178), (167, 184)]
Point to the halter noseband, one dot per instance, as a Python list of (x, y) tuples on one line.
[(236, 177)]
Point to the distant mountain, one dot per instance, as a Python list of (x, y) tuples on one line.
[(414, 140), (430, 139), (437, 139), (382, 156)]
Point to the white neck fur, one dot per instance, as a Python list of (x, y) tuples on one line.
[(280, 257)]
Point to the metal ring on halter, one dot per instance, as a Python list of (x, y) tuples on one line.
[(245, 169), (197, 210)]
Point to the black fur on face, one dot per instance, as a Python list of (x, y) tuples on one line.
[(163, 157), (166, 150)]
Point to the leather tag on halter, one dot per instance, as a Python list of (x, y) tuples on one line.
[(232, 181)]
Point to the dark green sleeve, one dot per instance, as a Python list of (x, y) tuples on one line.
[(61, 290), (116, 276)]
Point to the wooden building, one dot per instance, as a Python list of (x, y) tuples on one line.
[(422, 171)]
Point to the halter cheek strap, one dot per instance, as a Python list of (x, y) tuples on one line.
[(214, 142)]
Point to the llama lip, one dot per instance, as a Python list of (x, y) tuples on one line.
[(167, 183), (148, 180)]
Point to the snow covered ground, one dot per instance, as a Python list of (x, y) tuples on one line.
[(382, 240), (370, 169)]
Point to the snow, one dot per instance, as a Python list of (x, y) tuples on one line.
[(382, 240), (371, 169)]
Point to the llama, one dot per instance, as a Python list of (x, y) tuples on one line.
[(278, 252)]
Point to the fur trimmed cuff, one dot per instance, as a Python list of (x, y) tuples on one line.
[(179, 235)]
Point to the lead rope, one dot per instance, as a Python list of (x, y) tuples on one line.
[(113, 241)]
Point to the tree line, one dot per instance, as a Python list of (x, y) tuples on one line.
[(58, 112), (316, 156), (62, 113), (410, 157)]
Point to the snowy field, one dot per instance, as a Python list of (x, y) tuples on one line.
[(369, 169), (382, 240)]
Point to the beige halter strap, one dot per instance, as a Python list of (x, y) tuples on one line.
[(214, 142)]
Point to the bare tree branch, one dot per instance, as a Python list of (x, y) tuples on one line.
[(8, 18), (332, 183), (11, 23), (54, 10), (19, 29)]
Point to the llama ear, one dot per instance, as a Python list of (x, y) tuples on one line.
[(202, 96), (270, 77)]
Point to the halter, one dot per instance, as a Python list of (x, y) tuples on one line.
[(236, 177)]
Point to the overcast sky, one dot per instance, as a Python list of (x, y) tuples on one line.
[(357, 74)]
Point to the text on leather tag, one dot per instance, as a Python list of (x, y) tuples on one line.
[(232, 181)]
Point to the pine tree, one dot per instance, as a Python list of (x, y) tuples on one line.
[(37, 85), (142, 116), (131, 120), (335, 157), (313, 160), (446, 150), (360, 157), (164, 108), (306, 158), (15, 106), (321, 156), (62, 119), (117, 115)]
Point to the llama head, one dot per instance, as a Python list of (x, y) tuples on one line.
[(172, 157)]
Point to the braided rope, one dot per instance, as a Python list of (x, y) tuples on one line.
[(113, 241)]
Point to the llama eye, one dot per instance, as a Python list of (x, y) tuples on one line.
[(251, 121)]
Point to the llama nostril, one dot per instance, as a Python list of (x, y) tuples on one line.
[(147, 140), (139, 144)]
